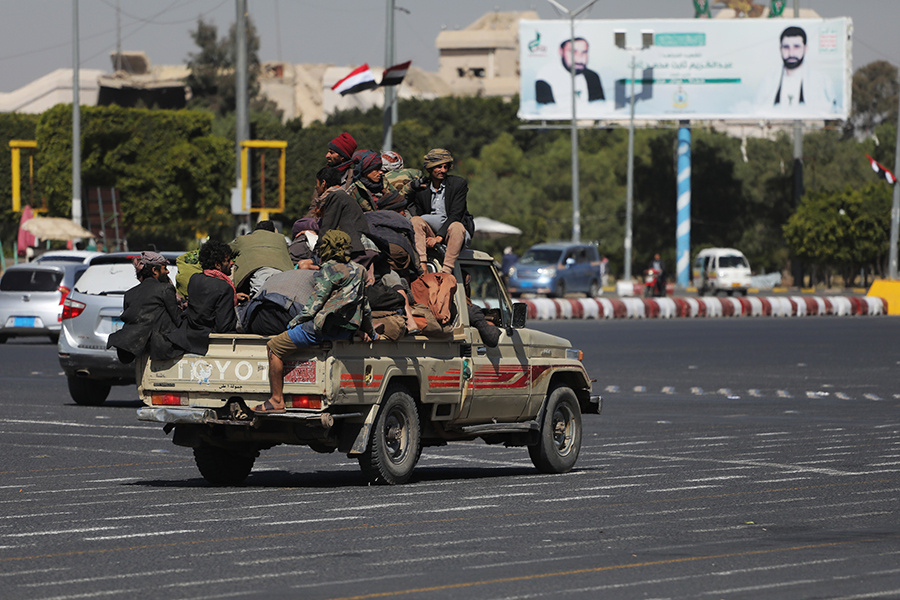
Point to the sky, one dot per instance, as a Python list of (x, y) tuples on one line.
[(36, 35)]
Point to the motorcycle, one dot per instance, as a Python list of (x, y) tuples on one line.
[(653, 284)]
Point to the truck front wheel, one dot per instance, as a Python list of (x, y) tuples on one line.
[(394, 447), (560, 439), (221, 466)]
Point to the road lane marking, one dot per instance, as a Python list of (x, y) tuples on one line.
[(607, 568), (59, 531), (368, 507), (139, 535), (105, 577), (395, 561), (752, 463), (459, 508), (630, 505)]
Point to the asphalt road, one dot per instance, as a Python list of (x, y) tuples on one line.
[(735, 458)]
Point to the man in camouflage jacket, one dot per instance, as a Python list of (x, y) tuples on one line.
[(336, 309)]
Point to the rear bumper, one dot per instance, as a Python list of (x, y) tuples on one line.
[(97, 365), (30, 331)]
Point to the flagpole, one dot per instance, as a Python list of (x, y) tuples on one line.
[(390, 93), (895, 209)]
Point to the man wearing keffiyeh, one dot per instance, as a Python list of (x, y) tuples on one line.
[(150, 310), (211, 300)]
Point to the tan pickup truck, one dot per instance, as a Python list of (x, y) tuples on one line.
[(381, 402)]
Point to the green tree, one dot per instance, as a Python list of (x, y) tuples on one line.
[(842, 231), (875, 89), (212, 77), (172, 176)]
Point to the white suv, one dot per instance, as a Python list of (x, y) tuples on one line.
[(90, 313), (721, 270)]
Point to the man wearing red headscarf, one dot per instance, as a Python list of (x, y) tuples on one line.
[(340, 156)]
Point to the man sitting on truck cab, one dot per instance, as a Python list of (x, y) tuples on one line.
[(335, 311), (439, 210)]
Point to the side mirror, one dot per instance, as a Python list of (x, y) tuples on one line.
[(570, 261), (520, 315)]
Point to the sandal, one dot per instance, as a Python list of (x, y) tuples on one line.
[(268, 407)]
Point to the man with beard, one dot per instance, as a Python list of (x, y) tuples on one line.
[(797, 86), (554, 85), (439, 209), (340, 156)]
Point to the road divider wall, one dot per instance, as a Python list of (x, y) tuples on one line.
[(710, 307)]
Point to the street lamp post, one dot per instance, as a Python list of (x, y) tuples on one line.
[(390, 93), (646, 42), (76, 119), (576, 204)]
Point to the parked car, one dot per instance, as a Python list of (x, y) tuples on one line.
[(32, 296), (91, 312), (76, 256), (556, 270), (721, 270)]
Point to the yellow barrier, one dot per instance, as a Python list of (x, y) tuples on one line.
[(890, 291)]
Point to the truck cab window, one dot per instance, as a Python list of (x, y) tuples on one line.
[(487, 290)]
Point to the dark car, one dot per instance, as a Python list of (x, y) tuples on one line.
[(556, 270), (32, 296)]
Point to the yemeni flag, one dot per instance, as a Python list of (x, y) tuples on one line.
[(358, 80), (882, 171), (394, 75)]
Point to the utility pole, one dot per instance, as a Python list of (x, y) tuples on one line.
[(895, 209), (76, 120), (798, 170), (646, 42), (576, 192), (242, 122), (390, 92)]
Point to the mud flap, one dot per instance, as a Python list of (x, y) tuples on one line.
[(361, 441)]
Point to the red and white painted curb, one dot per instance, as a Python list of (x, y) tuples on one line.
[(667, 308)]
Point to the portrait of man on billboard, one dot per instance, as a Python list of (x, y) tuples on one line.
[(799, 85), (554, 81)]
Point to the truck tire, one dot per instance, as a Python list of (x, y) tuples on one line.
[(88, 392), (394, 446), (221, 466), (560, 438), (594, 290)]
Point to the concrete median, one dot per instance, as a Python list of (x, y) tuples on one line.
[(704, 307)]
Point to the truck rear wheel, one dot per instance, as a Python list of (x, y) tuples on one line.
[(221, 466), (560, 437), (394, 446), (88, 392)]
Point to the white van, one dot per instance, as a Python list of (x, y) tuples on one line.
[(721, 270)]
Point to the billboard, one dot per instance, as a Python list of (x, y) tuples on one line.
[(732, 69)]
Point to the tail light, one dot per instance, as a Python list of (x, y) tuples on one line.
[(64, 292), (304, 401), (166, 399), (71, 308)]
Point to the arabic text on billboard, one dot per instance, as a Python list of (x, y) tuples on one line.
[(765, 69)]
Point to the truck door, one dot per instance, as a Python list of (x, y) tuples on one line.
[(500, 382)]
